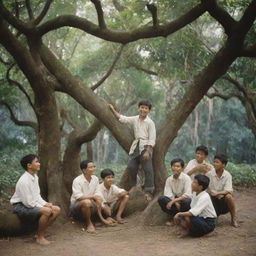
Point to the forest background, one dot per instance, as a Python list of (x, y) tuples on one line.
[(160, 69)]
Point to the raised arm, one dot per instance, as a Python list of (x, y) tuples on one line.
[(116, 114)]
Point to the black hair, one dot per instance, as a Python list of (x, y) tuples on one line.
[(106, 172), (28, 159), (223, 158), (202, 148), (177, 160), (145, 102), (202, 180), (84, 164)]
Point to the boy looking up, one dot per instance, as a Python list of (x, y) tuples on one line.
[(220, 189), (142, 146), (114, 198), (177, 190), (199, 161), (27, 202), (201, 217)]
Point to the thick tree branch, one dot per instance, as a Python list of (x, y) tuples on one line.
[(18, 24), (249, 51), (220, 15), (16, 121), (235, 83), (100, 14), (43, 12), (100, 82), (224, 96), (119, 36), (30, 12), (153, 9), (148, 71)]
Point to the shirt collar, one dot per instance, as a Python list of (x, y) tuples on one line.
[(30, 176), (222, 175)]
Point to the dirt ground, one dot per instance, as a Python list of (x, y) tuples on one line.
[(134, 238)]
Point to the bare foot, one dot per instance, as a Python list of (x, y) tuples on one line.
[(90, 228), (183, 234), (169, 223), (148, 197), (42, 241), (111, 220), (120, 220), (234, 223)]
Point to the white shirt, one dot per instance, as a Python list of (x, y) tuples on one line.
[(192, 164), (201, 205), (223, 183), (108, 194), (27, 191), (178, 187), (144, 131), (81, 187)]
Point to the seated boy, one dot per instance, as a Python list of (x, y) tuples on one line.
[(177, 190), (84, 201), (114, 198), (201, 218), (199, 164), (142, 147), (220, 189), (27, 202)]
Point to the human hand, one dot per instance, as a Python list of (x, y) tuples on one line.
[(146, 155), (49, 205), (213, 193), (176, 218), (111, 107), (169, 205)]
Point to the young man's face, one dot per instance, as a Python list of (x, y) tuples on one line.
[(143, 111), (108, 180), (34, 166), (200, 156), (176, 169), (218, 165), (195, 186), (90, 169)]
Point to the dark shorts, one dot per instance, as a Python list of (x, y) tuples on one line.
[(201, 226), (76, 213), (220, 205), (26, 214)]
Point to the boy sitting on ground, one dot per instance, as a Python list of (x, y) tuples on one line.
[(199, 164), (27, 202), (220, 189), (177, 190), (200, 219), (114, 198)]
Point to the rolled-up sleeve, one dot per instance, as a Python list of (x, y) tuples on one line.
[(126, 119), (228, 183)]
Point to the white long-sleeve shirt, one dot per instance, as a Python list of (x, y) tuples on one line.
[(144, 131), (178, 187), (108, 194), (82, 187), (27, 191), (201, 205)]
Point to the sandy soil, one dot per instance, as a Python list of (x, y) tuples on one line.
[(133, 238)]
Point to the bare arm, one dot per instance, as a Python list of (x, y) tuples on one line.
[(116, 114)]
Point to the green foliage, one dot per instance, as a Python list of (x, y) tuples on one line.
[(243, 174)]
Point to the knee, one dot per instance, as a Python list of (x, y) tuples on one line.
[(126, 197), (161, 199), (46, 211), (86, 203), (228, 197), (56, 210)]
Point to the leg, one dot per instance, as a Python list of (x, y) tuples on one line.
[(149, 175), (185, 205), (232, 208), (43, 223), (133, 167), (201, 226), (55, 214), (84, 207), (122, 204)]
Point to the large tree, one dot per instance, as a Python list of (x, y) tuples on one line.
[(22, 39)]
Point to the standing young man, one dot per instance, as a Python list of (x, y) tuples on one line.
[(142, 146), (27, 202)]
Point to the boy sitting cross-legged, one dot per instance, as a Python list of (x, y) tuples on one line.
[(114, 198), (200, 219), (177, 190)]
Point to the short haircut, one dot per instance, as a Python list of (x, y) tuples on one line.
[(106, 172), (202, 180), (223, 158), (28, 159), (145, 102), (84, 164), (202, 148), (178, 160)]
